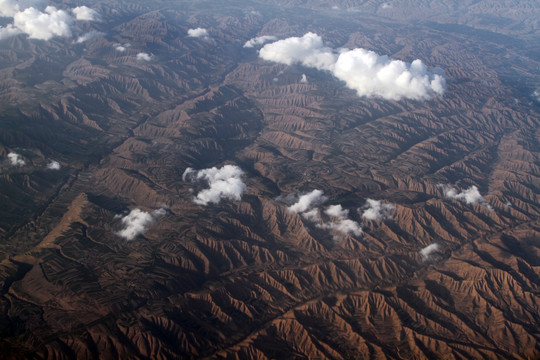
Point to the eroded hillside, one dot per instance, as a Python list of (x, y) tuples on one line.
[(422, 241)]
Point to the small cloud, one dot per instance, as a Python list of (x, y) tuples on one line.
[(428, 252), (85, 13), (337, 211), (303, 79), (224, 183), (121, 47), (53, 165), (89, 35), (536, 95), (198, 33), (335, 7), (137, 221), (142, 56), (307, 201), (386, 6), (259, 40), (16, 159), (468, 196), (340, 222), (8, 8), (312, 215), (376, 210), (369, 74), (9, 31)]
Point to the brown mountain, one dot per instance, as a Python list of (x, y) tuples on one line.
[(249, 278)]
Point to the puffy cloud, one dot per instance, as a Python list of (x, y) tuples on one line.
[(85, 13), (305, 202), (259, 40), (16, 159), (198, 33), (468, 196), (339, 221), (376, 210), (137, 221), (368, 73), (42, 25), (303, 79), (224, 183), (53, 165), (9, 31), (312, 215), (427, 252), (8, 8), (121, 47), (89, 35), (536, 95), (386, 6), (142, 56)]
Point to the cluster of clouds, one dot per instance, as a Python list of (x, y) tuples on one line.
[(259, 40), (44, 24), (18, 161), (223, 183), (137, 222), (369, 74), (468, 196), (198, 33), (335, 217)]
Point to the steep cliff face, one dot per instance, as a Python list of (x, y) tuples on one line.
[(154, 215)]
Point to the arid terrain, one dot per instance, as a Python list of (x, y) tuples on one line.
[(168, 192)]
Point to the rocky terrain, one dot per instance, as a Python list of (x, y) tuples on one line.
[(167, 195)]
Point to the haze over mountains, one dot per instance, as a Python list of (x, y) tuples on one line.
[(283, 179)]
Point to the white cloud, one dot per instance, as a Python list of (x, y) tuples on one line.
[(41, 25), (337, 216), (336, 211), (386, 6), (428, 251), (9, 31), (224, 183), (469, 196), (89, 35), (53, 165), (368, 73), (259, 40), (376, 210), (85, 13), (198, 33), (137, 221), (142, 56), (16, 159), (8, 8), (536, 95), (305, 202), (44, 25), (312, 215), (303, 79), (121, 47), (339, 221)]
